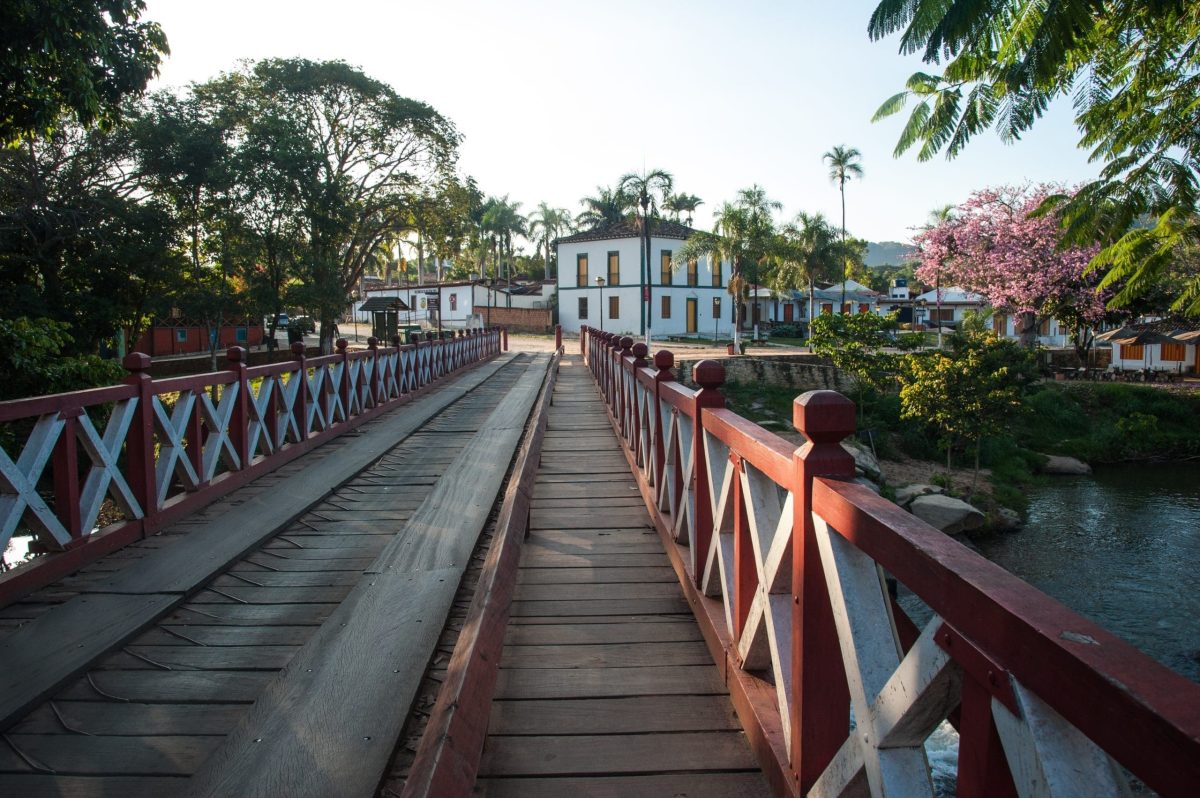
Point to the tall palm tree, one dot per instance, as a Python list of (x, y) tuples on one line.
[(678, 204), (608, 206), (545, 224), (807, 250), (845, 163), (760, 210), (504, 219), (649, 190)]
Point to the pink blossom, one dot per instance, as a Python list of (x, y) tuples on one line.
[(994, 247)]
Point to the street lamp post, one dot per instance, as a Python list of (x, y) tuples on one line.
[(600, 285)]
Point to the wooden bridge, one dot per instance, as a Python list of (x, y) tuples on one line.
[(441, 569)]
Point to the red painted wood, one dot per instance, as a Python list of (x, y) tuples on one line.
[(65, 467), (820, 697), (239, 421), (764, 450), (1144, 715), (982, 766)]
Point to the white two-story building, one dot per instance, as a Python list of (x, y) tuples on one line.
[(600, 284)]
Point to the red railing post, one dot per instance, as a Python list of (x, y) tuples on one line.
[(622, 395), (504, 336), (373, 390), (820, 697), (240, 419), (710, 376), (300, 408), (195, 440), (663, 362), (640, 350), (139, 444), (66, 477), (399, 366), (583, 342), (558, 338), (343, 386)]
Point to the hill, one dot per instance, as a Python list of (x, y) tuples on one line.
[(887, 253)]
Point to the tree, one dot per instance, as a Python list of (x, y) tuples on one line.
[(545, 224), (855, 343), (678, 204), (845, 163), (608, 206), (996, 245), (648, 190), (970, 391), (1133, 71), (807, 250), (369, 151), (72, 60), (503, 218)]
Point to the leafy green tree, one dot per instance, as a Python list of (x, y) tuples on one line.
[(608, 206), (969, 391), (35, 359), (807, 250), (72, 60), (504, 220), (854, 343), (845, 163), (545, 225), (1133, 72)]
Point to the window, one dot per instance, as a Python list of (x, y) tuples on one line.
[(614, 307), (716, 308), (614, 268), (454, 301), (239, 335), (181, 335), (863, 307), (845, 308), (1173, 352), (827, 309), (581, 270), (1044, 327), (1132, 352), (1000, 324), (667, 272), (666, 308), (693, 276), (582, 308), (716, 272), (941, 314)]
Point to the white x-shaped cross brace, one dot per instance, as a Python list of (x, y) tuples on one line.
[(407, 372), (316, 404), (256, 428), (218, 444), (18, 483), (424, 355), (367, 391), (286, 420), (105, 476), (172, 451), (337, 410), (678, 466)]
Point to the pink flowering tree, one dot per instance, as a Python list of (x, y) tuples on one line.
[(994, 245)]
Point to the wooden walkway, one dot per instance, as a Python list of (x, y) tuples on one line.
[(606, 687)]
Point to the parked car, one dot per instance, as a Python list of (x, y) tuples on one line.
[(305, 325), (281, 321)]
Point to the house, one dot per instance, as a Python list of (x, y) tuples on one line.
[(945, 306), (420, 304), (178, 336), (1156, 346), (1050, 332), (600, 283)]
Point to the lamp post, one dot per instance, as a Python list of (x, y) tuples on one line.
[(600, 285)]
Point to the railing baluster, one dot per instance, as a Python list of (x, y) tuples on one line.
[(139, 445), (239, 421), (710, 376)]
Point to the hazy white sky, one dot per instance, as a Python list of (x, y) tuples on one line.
[(555, 97)]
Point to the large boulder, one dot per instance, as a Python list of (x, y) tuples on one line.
[(906, 494), (865, 462), (1057, 464), (952, 516), (1006, 520)]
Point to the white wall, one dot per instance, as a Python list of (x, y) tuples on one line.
[(412, 296), (1152, 359)]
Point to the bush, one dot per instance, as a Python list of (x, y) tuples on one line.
[(32, 363), (785, 331)]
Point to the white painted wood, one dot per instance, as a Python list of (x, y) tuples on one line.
[(172, 453), (685, 531), (845, 776), (105, 477), (18, 483), (920, 693), (218, 444), (286, 420), (1047, 756), (711, 584), (316, 400), (257, 433)]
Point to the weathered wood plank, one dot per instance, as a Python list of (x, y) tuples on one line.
[(144, 756), (528, 591), (115, 718), (217, 636), (607, 655), (590, 633), (264, 578), (250, 614), (229, 658), (261, 561), (612, 715), (57, 786), (229, 687), (542, 558), (608, 682), (611, 606), (700, 785), (615, 753), (597, 576), (310, 594)]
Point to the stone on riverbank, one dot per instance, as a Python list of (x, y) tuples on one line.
[(865, 462), (950, 515), (906, 494), (1069, 466)]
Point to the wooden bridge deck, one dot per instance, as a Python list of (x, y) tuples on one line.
[(606, 687), (274, 643)]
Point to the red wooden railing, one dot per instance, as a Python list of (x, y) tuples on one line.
[(171, 445), (785, 560)]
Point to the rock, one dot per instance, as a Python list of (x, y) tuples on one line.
[(865, 462), (952, 516), (866, 483), (1007, 520), (1057, 464), (906, 494)]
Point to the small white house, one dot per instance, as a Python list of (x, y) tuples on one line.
[(947, 305), (420, 303), (600, 284), (1051, 332)]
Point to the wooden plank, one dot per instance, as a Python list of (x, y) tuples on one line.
[(609, 682), (576, 634), (57, 786), (596, 576), (587, 503), (43, 654), (169, 635), (372, 542), (259, 561), (145, 756), (541, 558), (230, 658), (591, 591), (609, 606), (581, 620), (287, 579), (705, 785), (326, 726), (612, 715), (590, 518), (311, 594), (607, 655), (229, 687), (250, 614), (121, 719), (616, 753)]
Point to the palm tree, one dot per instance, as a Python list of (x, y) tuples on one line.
[(648, 190), (504, 220), (807, 250), (760, 210), (610, 205), (678, 204), (545, 223), (845, 163)]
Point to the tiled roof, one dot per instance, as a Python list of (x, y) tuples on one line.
[(629, 228)]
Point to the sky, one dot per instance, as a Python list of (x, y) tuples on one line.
[(556, 97)]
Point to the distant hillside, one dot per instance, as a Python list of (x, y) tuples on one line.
[(887, 253)]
